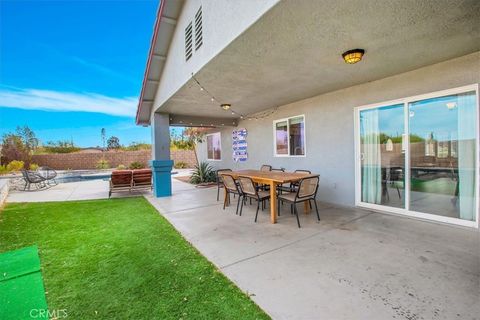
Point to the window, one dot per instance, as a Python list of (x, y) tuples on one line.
[(289, 136), (214, 146)]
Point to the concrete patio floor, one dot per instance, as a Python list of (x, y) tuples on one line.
[(354, 264)]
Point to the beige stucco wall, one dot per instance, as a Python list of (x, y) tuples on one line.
[(329, 121), (223, 21)]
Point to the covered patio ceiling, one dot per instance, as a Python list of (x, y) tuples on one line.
[(294, 52)]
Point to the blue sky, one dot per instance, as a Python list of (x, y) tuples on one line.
[(70, 68)]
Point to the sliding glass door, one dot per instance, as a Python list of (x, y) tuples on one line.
[(418, 156), (382, 156)]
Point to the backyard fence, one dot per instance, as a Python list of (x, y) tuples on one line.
[(81, 160)]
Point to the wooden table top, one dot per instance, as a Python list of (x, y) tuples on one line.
[(275, 176)]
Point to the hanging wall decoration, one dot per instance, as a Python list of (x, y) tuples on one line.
[(239, 145)]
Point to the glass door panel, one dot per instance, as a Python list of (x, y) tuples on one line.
[(382, 156), (443, 156)]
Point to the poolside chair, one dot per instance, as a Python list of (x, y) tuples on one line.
[(121, 180), (219, 180), (307, 191), (142, 179), (249, 191), (231, 187), (32, 177), (49, 174)]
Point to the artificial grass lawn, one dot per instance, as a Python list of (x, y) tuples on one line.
[(119, 259)]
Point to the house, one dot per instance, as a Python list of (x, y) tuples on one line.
[(379, 98)]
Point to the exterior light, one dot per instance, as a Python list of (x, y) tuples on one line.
[(225, 106), (353, 56)]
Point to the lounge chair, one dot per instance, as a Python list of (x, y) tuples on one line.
[(49, 174), (32, 177), (121, 180), (142, 179)]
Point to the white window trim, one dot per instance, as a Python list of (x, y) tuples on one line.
[(220, 138), (288, 140), (405, 211)]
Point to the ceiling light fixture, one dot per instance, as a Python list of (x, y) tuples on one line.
[(353, 56), (225, 106)]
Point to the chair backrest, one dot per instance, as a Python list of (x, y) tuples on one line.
[(219, 176), (247, 186), (121, 178), (266, 167), (32, 177), (142, 176), (303, 171), (308, 187), (229, 182)]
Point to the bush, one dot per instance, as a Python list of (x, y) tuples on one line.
[(34, 166), (121, 167), (203, 173), (102, 164), (60, 147), (15, 165), (3, 169), (180, 165), (136, 165)]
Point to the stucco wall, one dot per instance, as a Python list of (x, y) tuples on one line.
[(329, 122), (223, 21)]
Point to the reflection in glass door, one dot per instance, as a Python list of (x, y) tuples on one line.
[(419, 156), (442, 156), (382, 156)]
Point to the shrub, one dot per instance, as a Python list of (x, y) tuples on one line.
[(15, 165), (203, 173), (102, 164), (180, 165), (60, 147), (136, 165), (3, 169), (34, 166), (121, 167)]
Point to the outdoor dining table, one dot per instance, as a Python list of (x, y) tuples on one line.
[(273, 179)]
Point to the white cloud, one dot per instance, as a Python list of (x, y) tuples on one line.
[(67, 101)]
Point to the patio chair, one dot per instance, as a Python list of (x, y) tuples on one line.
[(266, 167), (32, 177), (121, 180), (49, 174), (250, 191), (231, 187), (220, 181), (142, 179), (307, 191)]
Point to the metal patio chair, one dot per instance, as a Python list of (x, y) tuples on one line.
[(219, 180), (33, 178), (250, 191), (49, 174), (307, 191), (231, 187)]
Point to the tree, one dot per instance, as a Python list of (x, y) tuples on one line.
[(102, 134), (19, 145), (113, 143)]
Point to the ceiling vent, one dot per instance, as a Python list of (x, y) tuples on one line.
[(198, 29), (188, 41)]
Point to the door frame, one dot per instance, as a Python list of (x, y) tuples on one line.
[(405, 211)]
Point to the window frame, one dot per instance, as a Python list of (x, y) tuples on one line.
[(275, 154), (220, 139)]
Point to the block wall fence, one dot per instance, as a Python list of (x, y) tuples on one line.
[(79, 161)]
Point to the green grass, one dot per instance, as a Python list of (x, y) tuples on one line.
[(119, 259)]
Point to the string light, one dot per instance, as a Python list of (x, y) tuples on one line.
[(256, 116)]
